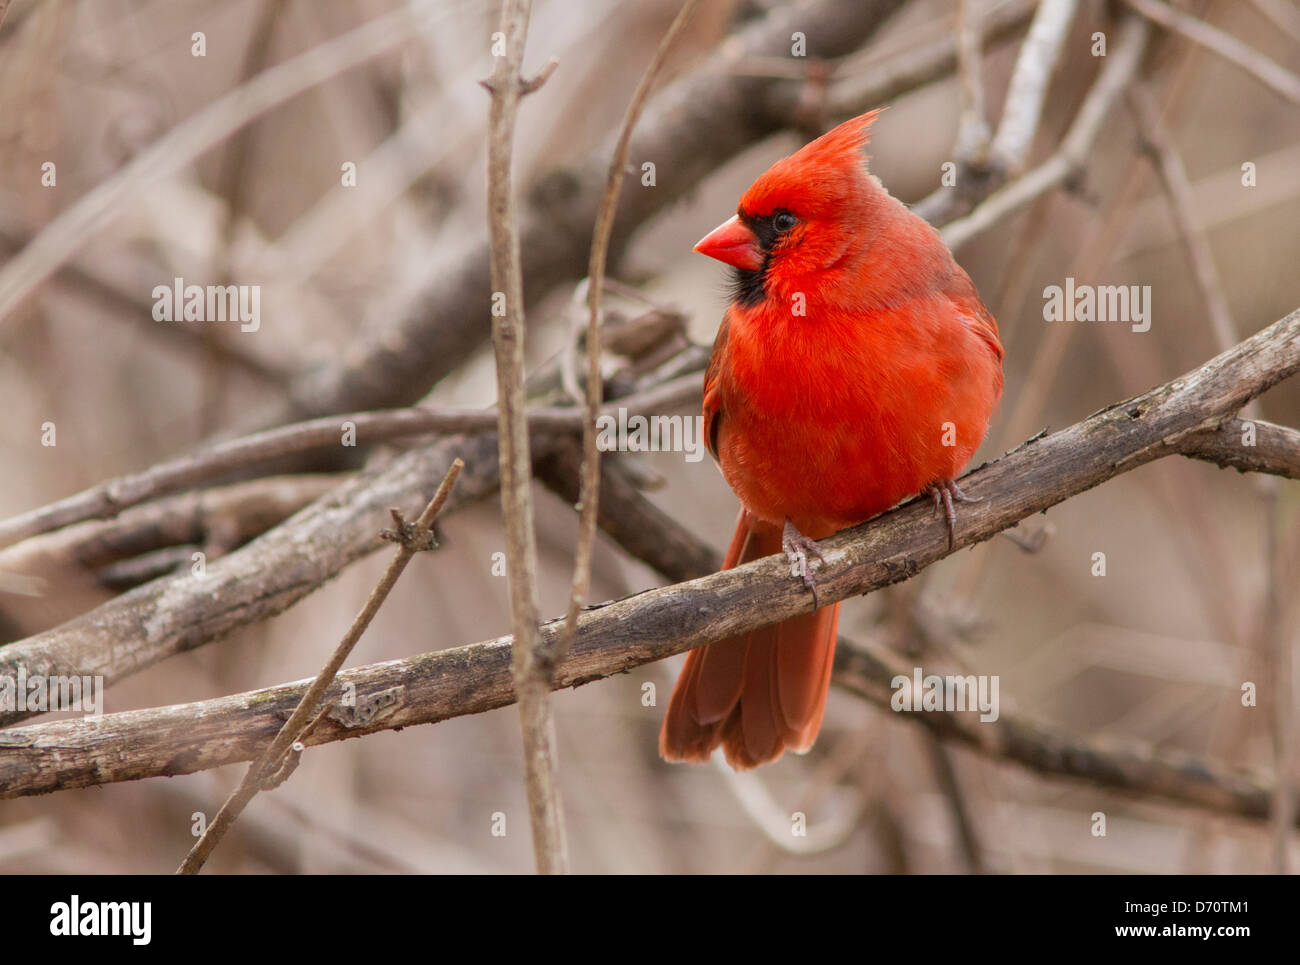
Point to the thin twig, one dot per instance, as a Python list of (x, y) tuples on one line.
[(533, 671), (945, 773), (109, 498), (980, 173), (412, 538), (1121, 66), (751, 793), (1178, 189), (973, 127), (78, 222), (695, 126), (589, 493), (1271, 74), (860, 84), (1278, 649), (1271, 640), (234, 187)]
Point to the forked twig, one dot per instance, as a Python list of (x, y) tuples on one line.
[(309, 710), (1120, 68)]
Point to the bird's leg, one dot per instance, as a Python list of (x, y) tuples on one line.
[(945, 492), (798, 548)]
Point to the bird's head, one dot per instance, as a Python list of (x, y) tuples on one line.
[(802, 216)]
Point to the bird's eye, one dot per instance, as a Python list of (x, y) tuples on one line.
[(784, 221)]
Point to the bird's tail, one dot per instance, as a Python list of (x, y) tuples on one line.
[(759, 693)]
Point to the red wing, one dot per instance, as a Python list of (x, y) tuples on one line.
[(712, 390), (961, 292)]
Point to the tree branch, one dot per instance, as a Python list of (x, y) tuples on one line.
[(283, 566), (692, 128), (1121, 66), (76, 224), (980, 173), (972, 124), (655, 624), (589, 491), (107, 499), (854, 90), (266, 770), (255, 582), (1028, 87), (227, 515), (1272, 75), (533, 659), (1275, 449)]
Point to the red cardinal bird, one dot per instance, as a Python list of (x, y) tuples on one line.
[(854, 367)]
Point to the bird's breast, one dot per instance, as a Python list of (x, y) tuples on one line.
[(830, 419)]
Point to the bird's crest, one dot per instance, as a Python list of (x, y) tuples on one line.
[(823, 174)]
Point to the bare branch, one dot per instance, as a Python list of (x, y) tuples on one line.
[(1028, 89), (533, 665), (168, 616), (296, 727), (271, 574), (1120, 68), (228, 515), (984, 166), (691, 128), (68, 572), (589, 492), (76, 224), (1248, 446), (973, 127), (651, 625), (1267, 72), (856, 89), (184, 738), (107, 499), (1178, 188), (636, 524)]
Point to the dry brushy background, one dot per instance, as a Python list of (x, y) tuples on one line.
[(1155, 650)]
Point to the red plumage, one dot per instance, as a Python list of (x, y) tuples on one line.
[(855, 367)]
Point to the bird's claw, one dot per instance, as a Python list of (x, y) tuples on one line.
[(945, 492), (798, 548)]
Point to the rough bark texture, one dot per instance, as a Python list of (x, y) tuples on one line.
[(257, 581), (624, 634)]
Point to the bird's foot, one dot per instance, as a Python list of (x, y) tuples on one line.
[(798, 548), (945, 492)]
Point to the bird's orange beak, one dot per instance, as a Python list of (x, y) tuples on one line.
[(733, 243)]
